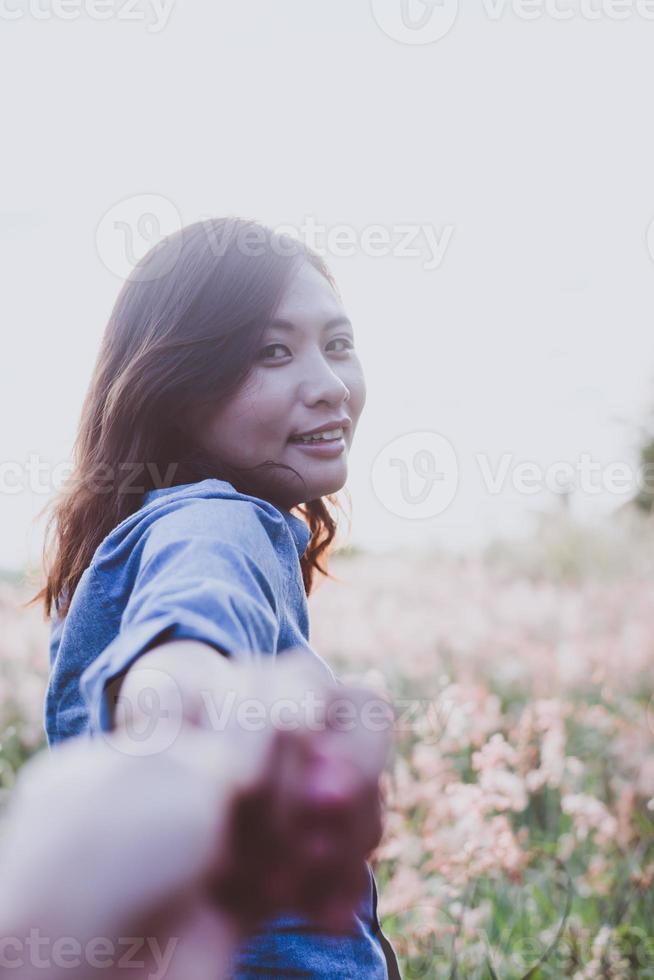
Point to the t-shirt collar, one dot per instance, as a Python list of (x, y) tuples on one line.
[(299, 529)]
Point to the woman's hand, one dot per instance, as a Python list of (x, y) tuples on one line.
[(305, 827), (308, 754)]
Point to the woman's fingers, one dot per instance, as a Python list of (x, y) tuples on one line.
[(307, 827)]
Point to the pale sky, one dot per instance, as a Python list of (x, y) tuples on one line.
[(525, 147)]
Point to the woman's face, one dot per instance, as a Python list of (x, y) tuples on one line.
[(306, 375)]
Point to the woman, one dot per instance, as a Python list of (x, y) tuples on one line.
[(225, 396)]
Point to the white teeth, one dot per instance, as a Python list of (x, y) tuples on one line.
[(322, 436)]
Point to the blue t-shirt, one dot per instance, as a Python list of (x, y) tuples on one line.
[(203, 561)]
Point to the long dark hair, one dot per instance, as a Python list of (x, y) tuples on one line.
[(183, 334)]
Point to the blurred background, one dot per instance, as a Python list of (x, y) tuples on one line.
[(479, 179)]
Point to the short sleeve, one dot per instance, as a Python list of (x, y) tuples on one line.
[(56, 630), (199, 580)]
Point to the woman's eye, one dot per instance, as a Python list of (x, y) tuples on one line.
[(343, 340), (263, 352)]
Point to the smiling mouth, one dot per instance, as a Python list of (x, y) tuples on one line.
[(321, 448), (323, 437)]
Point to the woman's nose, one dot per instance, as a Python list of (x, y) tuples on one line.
[(323, 384)]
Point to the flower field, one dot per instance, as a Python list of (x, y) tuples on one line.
[(519, 836), (521, 795)]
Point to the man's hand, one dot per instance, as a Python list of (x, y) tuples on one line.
[(193, 845)]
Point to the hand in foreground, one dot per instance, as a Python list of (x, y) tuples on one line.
[(104, 858), (303, 829), (190, 848)]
